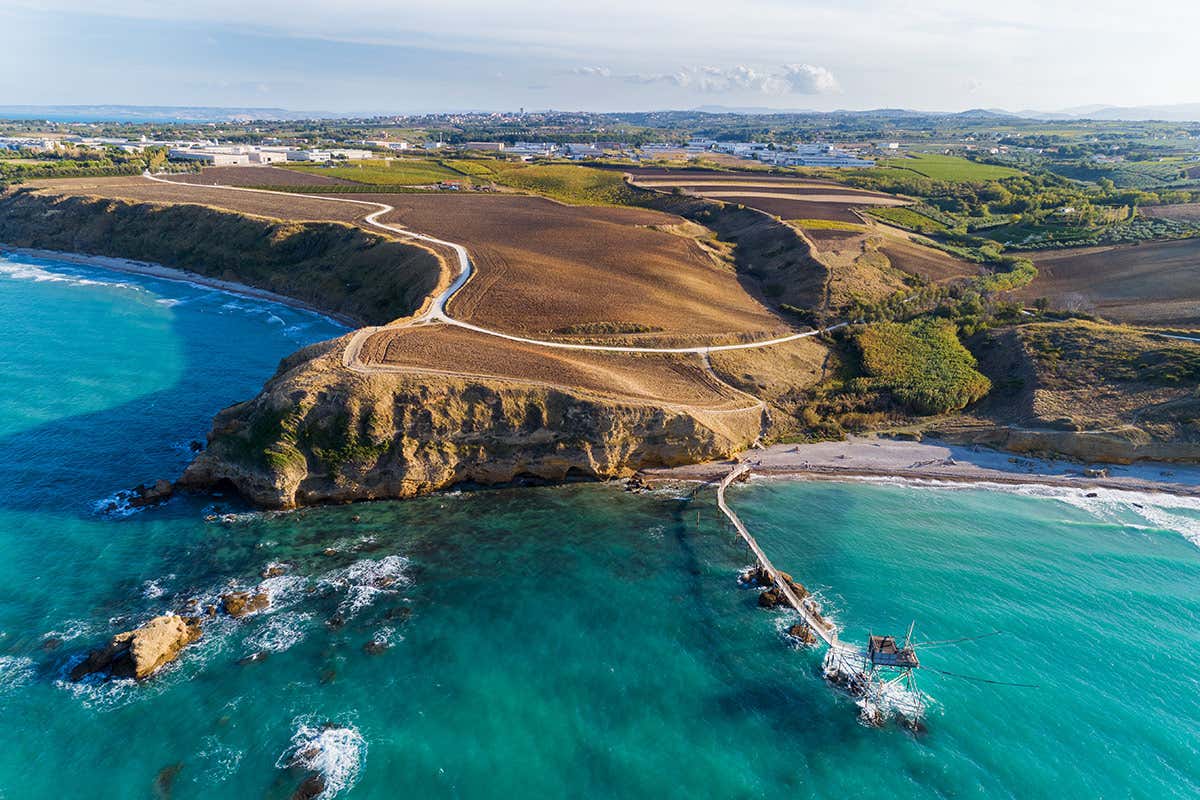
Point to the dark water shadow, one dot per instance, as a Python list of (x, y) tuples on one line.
[(44, 469)]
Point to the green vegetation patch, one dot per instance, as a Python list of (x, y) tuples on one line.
[(952, 168), (570, 183), (908, 219), (475, 167), (827, 225), (923, 364)]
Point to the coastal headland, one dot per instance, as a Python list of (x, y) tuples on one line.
[(511, 336)]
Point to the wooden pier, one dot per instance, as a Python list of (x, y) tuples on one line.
[(880, 676), (818, 625)]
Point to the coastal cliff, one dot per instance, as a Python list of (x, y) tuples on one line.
[(321, 433), (321, 264)]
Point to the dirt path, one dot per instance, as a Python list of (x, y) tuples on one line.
[(436, 308)]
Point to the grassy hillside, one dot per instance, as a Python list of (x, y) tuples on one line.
[(1078, 353), (332, 266)]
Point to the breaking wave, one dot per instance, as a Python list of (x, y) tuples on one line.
[(22, 271), (1128, 507), (364, 581), (279, 632), (334, 752), (15, 671), (1146, 510)]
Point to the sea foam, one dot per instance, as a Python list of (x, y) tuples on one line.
[(335, 752)]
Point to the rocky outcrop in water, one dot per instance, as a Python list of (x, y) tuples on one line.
[(321, 433), (141, 652), (144, 495), (239, 604)]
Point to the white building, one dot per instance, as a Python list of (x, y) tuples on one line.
[(267, 156), (814, 155), (208, 157), (531, 148)]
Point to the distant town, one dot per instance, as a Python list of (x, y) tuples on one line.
[(212, 152)]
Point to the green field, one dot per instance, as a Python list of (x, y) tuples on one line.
[(399, 172), (827, 225), (568, 183), (923, 364), (475, 167), (951, 168), (908, 219)]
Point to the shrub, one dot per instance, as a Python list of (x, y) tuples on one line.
[(923, 364)]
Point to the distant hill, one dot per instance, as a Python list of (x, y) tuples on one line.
[(1179, 112), (118, 113)]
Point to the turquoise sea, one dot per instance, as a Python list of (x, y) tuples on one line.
[(564, 642)]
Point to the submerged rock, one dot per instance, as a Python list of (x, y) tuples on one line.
[(312, 787), (253, 658), (164, 782), (375, 647), (239, 604), (141, 652)]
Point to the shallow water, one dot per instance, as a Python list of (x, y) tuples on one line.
[(553, 642)]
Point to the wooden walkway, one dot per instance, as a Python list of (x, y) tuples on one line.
[(819, 626)]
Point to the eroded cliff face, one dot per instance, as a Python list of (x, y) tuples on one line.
[(319, 432)]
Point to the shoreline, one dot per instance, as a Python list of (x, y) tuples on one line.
[(867, 458), (152, 270)]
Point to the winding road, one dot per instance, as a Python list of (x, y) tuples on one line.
[(436, 311)]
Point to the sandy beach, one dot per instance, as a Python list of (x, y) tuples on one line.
[(867, 457), (182, 276)]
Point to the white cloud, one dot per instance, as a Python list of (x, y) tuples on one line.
[(809, 79), (1024, 53), (788, 79)]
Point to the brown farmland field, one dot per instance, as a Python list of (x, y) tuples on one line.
[(543, 268), (927, 262), (447, 349), (1153, 283), (256, 176), (286, 207), (546, 268), (1186, 212), (779, 195)]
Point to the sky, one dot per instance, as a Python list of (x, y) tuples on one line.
[(415, 56)]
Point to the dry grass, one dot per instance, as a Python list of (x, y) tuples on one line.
[(257, 176), (1091, 376), (780, 374), (544, 267), (1185, 212), (281, 207), (446, 349), (1150, 283)]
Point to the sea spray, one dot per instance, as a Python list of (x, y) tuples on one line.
[(335, 752)]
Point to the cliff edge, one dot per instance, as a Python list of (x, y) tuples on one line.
[(321, 433)]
